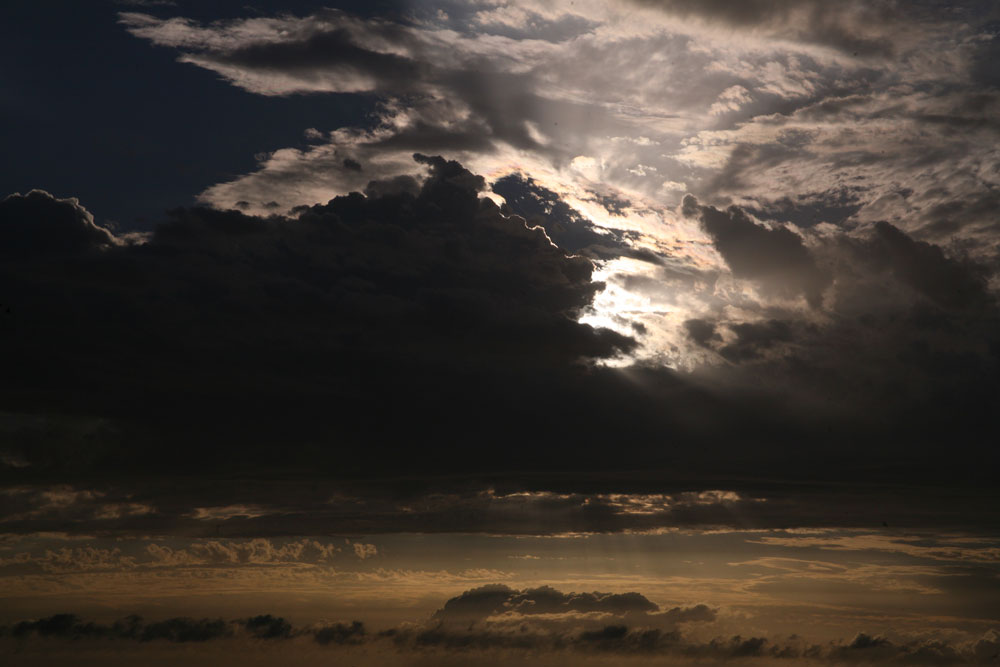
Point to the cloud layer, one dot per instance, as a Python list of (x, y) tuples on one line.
[(421, 312), (566, 627)]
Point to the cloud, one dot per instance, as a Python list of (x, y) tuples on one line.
[(774, 257), (178, 630), (834, 285), (186, 630), (752, 338), (410, 298), (567, 227), (701, 331), (424, 299), (38, 223), (364, 551), (486, 601), (543, 618), (543, 633), (862, 28), (950, 282), (340, 633), (799, 93), (266, 626), (218, 553)]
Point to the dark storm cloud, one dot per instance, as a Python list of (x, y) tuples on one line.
[(438, 96), (146, 3), (226, 333), (753, 338), (639, 635), (422, 314), (433, 307), (177, 630), (486, 601), (393, 186), (898, 307), (183, 629), (701, 331), (38, 223), (644, 640), (543, 618), (774, 257), (951, 283), (334, 49), (806, 210), (566, 226)]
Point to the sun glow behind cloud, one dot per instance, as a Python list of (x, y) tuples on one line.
[(629, 102)]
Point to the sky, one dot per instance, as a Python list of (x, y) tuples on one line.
[(493, 331)]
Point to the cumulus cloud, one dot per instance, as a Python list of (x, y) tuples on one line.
[(950, 282), (775, 257), (487, 601), (364, 551), (537, 635), (411, 295), (862, 28), (630, 502), (197, 554), (825, 292), (38, 223)]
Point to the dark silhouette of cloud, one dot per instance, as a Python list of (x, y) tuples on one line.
[(337, 50), (420, 312), (752, 338), (639, 635), (340, 633), (859, 28), (775, 258), (923, 266), (186, 630), (176, 630), (701, 331), (266, 626), (543, 618), (38, 223), (398, 299), (542, 207), (564, 225)]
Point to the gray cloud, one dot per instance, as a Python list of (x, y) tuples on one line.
[(775, 258), (474, 291), (949, 282), (449, 306), (38, 223), (861, 28)]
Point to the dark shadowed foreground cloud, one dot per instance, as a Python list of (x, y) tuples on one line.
[(418, 330), (530, 621)]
